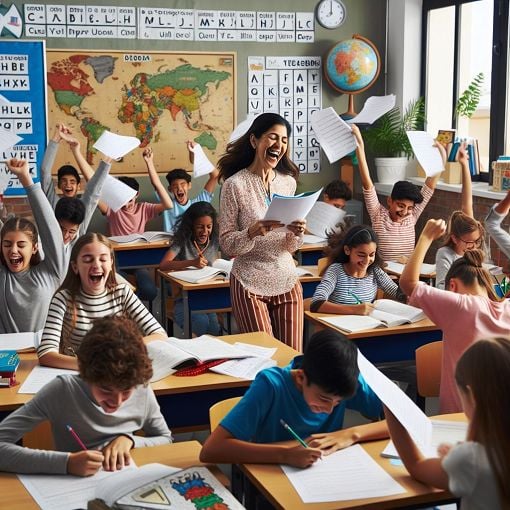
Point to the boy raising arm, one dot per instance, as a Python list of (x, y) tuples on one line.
[(310, 395)]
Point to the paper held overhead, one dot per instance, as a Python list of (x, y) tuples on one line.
[(115, 193), (426, 152), (201, 163), (374, 108), (115, 146), (324, 219), (8, 139), (242, 127)]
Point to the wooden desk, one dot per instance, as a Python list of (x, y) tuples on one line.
[(309, 254), (382, 345), (273, 484), (183, 455), (184, 401), (139, 254), (214, 294)]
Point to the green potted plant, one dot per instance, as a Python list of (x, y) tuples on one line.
[(387, 140)]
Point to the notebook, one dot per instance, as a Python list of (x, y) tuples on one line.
[(172, 354), (220, 269), (145, 236), (397, 268)]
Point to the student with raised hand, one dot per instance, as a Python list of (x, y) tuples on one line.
[(478, 469), (179, 185), (105, 405), (89, 291), (394, 225), (467, 310), (350, 283), (496, 215), (463, 232), (26, 282), (310, 395), (195, 243)]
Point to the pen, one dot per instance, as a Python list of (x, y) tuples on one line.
[(76, 437), (292, 433), (358, 300)]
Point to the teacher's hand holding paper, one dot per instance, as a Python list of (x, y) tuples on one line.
[(297, 227), (263, 227)]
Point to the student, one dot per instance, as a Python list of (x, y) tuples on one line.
[(477, 470), (26, 282), (493, 224), (466, 311), (105, 405), (179, 185), (337, 193), (464, 232), (351, 282), (89, 292), (195, 243), (311, 395), (394, 226)]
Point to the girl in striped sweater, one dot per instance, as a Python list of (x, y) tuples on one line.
[(350, 283), (89, 291)]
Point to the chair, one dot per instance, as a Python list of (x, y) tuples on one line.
[(220, 409), (428, 370)]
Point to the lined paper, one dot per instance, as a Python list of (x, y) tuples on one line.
[(323, 218), (426, 153), (374, 107), (39, 376)]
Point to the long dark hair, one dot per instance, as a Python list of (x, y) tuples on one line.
[(184, 225), (240, 153), (28, 228)]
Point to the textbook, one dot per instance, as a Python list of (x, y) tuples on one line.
[(387, 313), (219, 268), (160, 487), (20, 341), (9, 362), (173, 353), (145, 236)]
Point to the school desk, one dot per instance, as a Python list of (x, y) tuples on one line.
[(273, 484), (183, 455), (309, 254), (214, 294), (382, 345), (139, 254)]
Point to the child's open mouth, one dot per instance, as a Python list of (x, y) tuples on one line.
[(16, 262), (96, 277)]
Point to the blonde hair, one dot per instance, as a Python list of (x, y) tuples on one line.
[(485, 369)]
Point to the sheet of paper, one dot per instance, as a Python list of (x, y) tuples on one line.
[(397, 267), (246, 368), (19, 341), (256, 350), (334, 134), (426, 153), (404, 409), (344, 475), (289, 209), (39, 376), (311, 239), (201, 163), (64, 492), (115, 193), (242, 127), (115, 146), (323, 219), (8, 138), (374, 107)]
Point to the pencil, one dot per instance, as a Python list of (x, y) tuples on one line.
[(76, 437), (358, 300), (292, 433)]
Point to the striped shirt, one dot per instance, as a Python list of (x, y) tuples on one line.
[(60, 336), (338, 287), (395, 238)]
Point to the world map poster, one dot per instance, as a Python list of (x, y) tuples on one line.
[(162, 98)]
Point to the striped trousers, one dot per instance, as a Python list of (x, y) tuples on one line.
[(280, 316)]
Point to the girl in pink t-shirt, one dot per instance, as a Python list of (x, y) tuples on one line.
[(467, 310)]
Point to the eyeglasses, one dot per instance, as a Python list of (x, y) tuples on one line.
[(471, 244)]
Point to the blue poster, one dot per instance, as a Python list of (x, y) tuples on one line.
[(23, 106)]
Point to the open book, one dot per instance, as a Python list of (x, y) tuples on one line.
[(156, 486), (145, 236), (20, 341), (219, 268), (397, 268), (171, 354), (387, 313)]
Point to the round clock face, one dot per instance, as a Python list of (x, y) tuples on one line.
[(330, 13)]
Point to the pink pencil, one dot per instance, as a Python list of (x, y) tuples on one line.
[(76, 437)]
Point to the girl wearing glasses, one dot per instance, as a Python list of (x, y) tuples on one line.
[(464, 232), (466, 312)]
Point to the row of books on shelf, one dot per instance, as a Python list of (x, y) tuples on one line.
[(452, 150), (501, 174)]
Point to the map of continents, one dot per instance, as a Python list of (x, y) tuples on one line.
[(164, 99)]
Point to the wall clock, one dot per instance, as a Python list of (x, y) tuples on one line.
[(330, 13)]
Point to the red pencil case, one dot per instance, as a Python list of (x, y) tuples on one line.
[(198, 369)]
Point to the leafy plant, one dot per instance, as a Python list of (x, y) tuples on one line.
[(469, 99), (387, 138)]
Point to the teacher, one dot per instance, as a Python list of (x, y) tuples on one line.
[(265, 291)]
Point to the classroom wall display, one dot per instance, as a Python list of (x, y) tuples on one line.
[(162, 98), (290, 86), (22, 106), (159, 23)]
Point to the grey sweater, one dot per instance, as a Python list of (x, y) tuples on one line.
[(493, 226), (67, 400), (25, 296)]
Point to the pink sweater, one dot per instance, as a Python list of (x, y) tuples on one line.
[(264, 264), (464, 318)]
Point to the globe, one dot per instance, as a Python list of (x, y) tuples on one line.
[(352, 66)]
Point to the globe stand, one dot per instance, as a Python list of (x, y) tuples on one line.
[(350, 113)]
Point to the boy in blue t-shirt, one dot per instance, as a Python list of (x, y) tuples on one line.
[(310, 395)]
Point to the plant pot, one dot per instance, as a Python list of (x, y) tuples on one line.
[(390, 170)]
